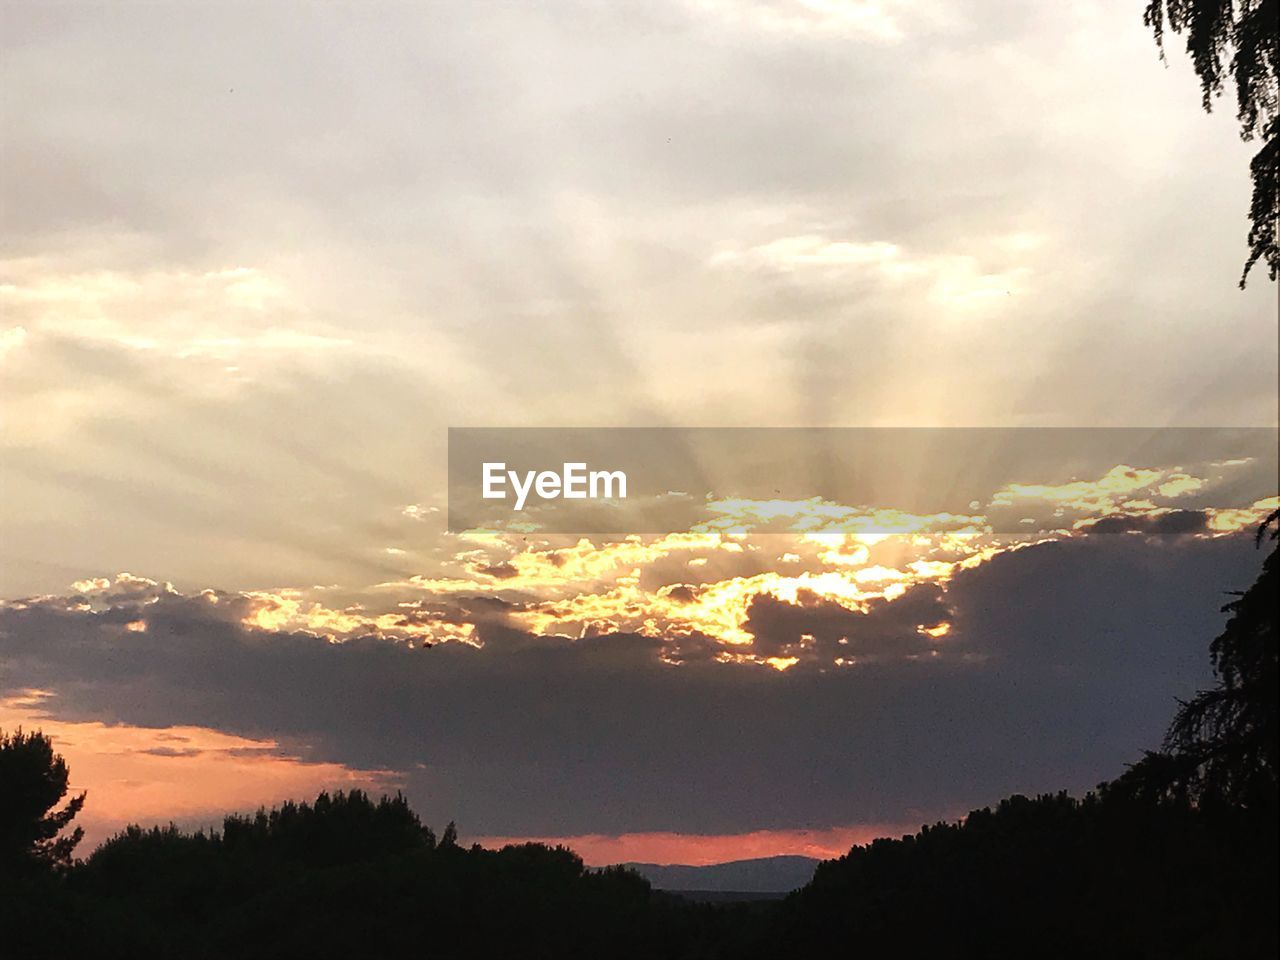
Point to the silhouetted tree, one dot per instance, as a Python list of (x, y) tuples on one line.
[(1046, 877), (450, 836), (1220, 751), (336, 828), (1228, 734), (33, 780), (1250, 31), (345, 876)]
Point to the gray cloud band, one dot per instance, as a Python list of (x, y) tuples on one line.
[(1063, 664)]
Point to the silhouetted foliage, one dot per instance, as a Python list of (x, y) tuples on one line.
[(1047, 877), (450, 836), (1229, 732), (33, 780), (1220, 751), (344, 876), (1250, 30)]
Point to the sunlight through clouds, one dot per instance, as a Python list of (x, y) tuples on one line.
[(946, 278)]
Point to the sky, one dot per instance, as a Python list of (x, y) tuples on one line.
[(256, 260)]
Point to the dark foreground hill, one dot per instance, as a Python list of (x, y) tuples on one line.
[(1049, 877)]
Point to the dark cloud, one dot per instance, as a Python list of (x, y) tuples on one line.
[(173, 751), (815, 625), (499, 571), (1171, 522), (681, 593), (1064, 663)]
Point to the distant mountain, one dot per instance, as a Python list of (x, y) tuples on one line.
[(765, 875)]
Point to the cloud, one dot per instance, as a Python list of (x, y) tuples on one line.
[(873, 21), (1062, 663), (1121, 483), (1157, 521), (542, 256), (704, 592), (953, 279), (231, 315), (814, 626)]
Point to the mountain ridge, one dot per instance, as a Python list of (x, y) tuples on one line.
[(780, 874)]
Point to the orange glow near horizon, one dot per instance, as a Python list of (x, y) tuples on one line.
[(195, 775), (599, 850)]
